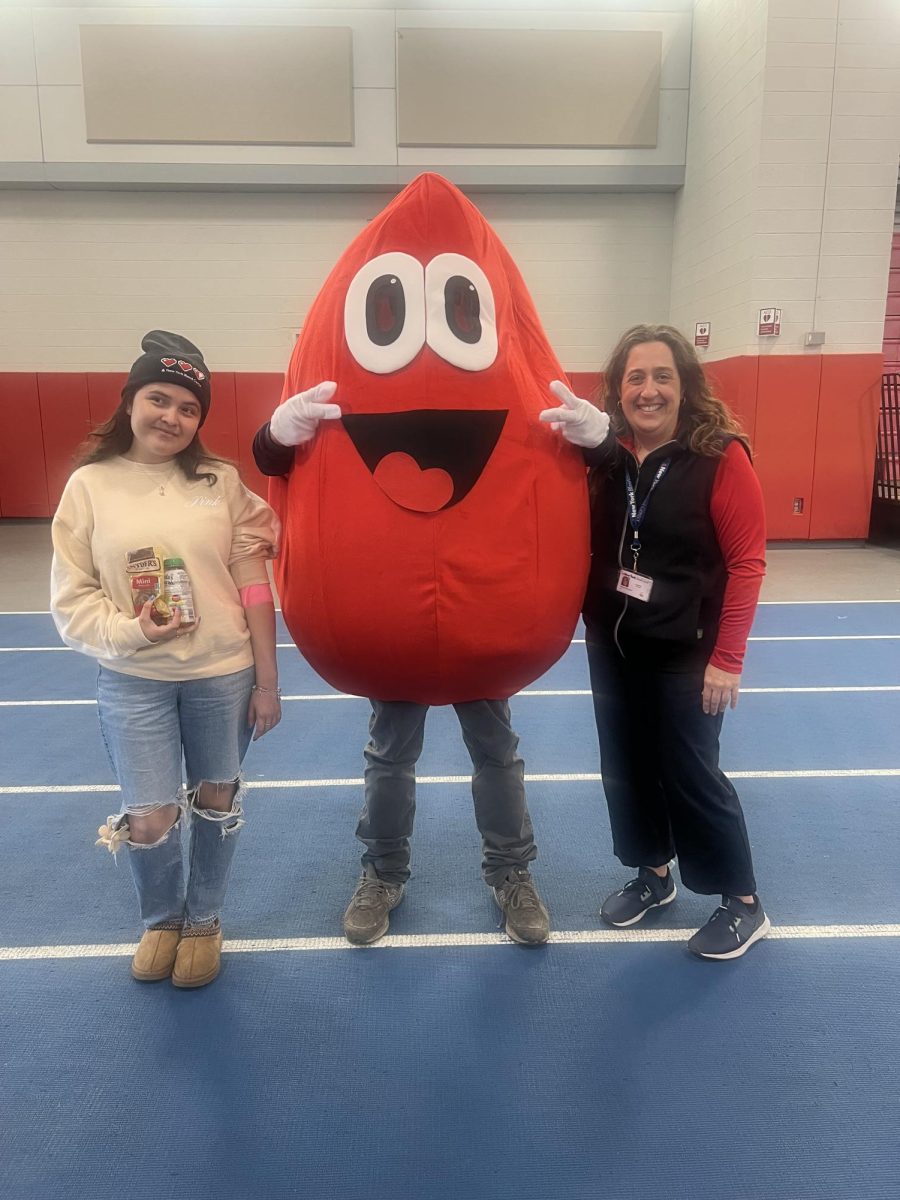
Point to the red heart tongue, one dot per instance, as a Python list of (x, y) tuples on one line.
[(402, 479)]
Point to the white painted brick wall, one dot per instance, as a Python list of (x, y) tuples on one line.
[(85, 274), (40, 60), (818, 136), (715, 211)]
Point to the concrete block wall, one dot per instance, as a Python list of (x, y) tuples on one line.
[(42, 125), (789, 202)]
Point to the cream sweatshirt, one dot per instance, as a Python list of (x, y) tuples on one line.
[(224, 534)]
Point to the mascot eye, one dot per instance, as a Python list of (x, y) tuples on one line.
[(461, 323), (384, 313), (385, 310)]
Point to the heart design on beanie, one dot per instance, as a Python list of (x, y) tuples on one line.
[(185, 366), (168, 362)]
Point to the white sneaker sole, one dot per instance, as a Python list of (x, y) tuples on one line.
[(756, 936), (641, 915)]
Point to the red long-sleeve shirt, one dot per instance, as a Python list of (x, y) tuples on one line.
[(738, 514)]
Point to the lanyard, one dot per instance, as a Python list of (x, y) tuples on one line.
[(636, 514)]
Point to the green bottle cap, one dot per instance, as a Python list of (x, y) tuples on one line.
[(171, 564)]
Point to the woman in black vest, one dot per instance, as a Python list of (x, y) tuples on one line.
[(678, 541)]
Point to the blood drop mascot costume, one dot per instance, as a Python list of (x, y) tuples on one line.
[(435, 544)]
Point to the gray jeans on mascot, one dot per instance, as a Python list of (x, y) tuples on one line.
[(396, 734)]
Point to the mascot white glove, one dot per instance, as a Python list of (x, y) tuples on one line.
[(577, 420), (297, 419)]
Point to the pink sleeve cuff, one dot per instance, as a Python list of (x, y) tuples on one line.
[(256, 593)]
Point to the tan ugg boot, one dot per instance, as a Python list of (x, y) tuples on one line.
[(155, 955), (198, 959)]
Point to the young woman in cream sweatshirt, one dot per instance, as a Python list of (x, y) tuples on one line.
[(178, 701)]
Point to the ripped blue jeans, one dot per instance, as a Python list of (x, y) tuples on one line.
[(158, 734)]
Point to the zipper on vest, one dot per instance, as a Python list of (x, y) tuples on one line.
[(625, 598)]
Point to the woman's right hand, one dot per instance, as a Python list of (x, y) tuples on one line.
[(160, 633)]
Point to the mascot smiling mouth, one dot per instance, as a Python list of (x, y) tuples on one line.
[(425, 460)]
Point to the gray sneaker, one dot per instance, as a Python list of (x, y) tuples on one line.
[(368, 914), (526, 919)]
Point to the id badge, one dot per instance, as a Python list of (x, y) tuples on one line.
[(632, 584)]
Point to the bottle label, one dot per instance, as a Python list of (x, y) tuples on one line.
[(178, 591)]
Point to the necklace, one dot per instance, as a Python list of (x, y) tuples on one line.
[(641, 452), (161, 484)]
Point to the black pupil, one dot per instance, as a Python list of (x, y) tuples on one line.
[(463, 308), (385, 310)]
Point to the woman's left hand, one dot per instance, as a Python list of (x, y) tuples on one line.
[(264, 712), (720, 688)]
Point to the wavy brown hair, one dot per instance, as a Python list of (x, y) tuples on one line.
[(115, 437), (705, 424)]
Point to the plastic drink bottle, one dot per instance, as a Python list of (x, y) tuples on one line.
[(178, 590)]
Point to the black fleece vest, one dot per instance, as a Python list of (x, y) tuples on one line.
[(676, 628)]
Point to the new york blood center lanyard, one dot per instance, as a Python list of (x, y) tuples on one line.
[(636, 515)]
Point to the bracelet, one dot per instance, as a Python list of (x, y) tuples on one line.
[(276, 691)]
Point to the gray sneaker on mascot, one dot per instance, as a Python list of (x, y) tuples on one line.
[(368, 915), (526, 918)]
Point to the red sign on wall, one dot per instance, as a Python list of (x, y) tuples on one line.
[(769, 322), (701, 333)]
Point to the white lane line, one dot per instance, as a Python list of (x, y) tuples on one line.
[(888, 687), (428, 941), (36, 789), (45, 612), (810, 637), (745, 691), (528, 692), (793, 637), (806, 637), (830, 637)]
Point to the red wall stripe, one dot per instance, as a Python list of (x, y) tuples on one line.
[(104, 394), (736, 381), (583, 383), (812, 420), (784, 443), (219, 431), (66, 422), (256, 396), (849, 402), (23, 475)]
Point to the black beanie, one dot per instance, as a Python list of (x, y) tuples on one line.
[(170, 358)]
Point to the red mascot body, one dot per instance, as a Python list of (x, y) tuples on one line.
[(435, 539)]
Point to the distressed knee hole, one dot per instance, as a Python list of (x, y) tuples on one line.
[(118, 831), (231, 793)]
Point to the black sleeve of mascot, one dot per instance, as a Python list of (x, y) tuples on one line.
[(271, 457), (603, 455)]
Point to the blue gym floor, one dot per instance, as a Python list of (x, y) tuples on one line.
[(447, 1063)]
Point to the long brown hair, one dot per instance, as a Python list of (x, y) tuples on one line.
[(114, 437), (705, 424)]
